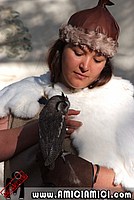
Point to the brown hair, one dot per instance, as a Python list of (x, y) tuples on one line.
[(54, 63)]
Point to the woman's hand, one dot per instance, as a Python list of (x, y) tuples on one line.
[(72, 125)]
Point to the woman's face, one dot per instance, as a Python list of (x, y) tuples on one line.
[(80, 66)]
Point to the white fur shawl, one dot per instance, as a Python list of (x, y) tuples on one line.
[(107, 113)]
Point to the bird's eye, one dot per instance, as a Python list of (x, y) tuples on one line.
[(58, 106), (63, 106)]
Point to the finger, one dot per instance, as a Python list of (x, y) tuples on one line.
[(73, 123), (69, 131), (73, 112)]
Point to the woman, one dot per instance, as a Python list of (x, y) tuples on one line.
[(79, 63)]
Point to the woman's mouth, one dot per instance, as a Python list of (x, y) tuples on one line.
[(80, 76)]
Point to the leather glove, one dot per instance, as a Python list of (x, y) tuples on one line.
[(72, 171)]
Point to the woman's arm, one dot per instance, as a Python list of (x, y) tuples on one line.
[(16, 140), (13, 141), (73, 171), (105, 180)]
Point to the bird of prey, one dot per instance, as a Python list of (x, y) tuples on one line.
[(52, 128)]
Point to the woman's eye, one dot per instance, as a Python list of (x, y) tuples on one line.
[(97, 61), (78, 53)]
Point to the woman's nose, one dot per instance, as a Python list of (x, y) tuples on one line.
[(83, 67)]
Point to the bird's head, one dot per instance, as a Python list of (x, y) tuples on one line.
[(63, 104)]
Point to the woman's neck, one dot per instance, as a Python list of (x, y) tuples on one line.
[(71, 89)]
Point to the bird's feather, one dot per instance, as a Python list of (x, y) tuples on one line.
[(52, 128)]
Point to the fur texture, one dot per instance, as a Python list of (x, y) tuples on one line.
[(21, 98), (107, 113), (107, 134), (96, 41)]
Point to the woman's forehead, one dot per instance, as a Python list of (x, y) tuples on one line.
[(85, 48)]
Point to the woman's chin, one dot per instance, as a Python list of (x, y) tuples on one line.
[(72, 84), (77, 86)]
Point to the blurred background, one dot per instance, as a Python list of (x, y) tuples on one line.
[(43, 19)]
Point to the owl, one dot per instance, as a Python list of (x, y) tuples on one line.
[(52, 128)]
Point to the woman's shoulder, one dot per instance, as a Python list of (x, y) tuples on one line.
[(31, 80), (118, 84), (21, 98)]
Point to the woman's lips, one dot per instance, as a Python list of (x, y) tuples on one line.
[(80, 76)]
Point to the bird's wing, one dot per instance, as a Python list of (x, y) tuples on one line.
[(51, 135)]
